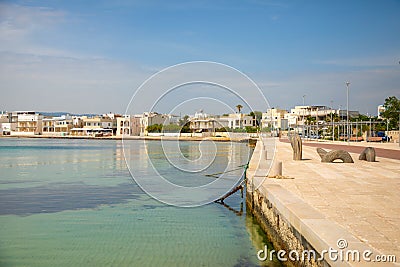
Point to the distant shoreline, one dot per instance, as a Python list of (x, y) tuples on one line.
[(154, 138)]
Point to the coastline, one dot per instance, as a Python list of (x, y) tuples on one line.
[(153, 138)]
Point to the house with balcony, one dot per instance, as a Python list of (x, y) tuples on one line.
[(202, 122), (151, 118), (48, 126), (234, 121), (63, 124), (3, 124), (94, 126), (28, 123), (57, 125), (274, 118), (128, 125)]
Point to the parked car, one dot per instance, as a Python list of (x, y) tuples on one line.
[(385, 138)]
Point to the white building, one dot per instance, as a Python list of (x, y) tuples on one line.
[(28, 123), (318, 112), (94, 126), (202, 122), (291, 120), (151, 118), (5, 125), (274, 117), (128, 125), (234, 121), (57, 125), (381, 109)]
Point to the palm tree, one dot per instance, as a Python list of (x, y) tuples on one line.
[(239, 107)]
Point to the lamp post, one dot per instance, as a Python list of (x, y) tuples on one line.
[(333, 125), (357, 130), (340, 123), (347, 85), (303, 134)]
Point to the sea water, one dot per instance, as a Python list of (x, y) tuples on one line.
[(74, 203)]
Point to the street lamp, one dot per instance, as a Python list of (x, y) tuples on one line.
[(303, 134), (333, 125), (347, 85), (340, 123)]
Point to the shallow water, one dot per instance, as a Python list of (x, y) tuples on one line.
[(74, 203)]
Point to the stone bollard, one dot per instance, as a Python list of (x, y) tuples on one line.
[(296, 142), (368, 154), (276, 169)]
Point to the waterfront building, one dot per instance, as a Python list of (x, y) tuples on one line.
[(28, 122), (3, 120), (77, 121), (202, 122), (57, 125), (274, 118), (318, 112), (234, 121), (63, 124), (48, 125), (151, 118), (7, 125), (128, 125), (291, 120), (95, 126)]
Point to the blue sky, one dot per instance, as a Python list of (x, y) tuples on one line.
[(90, 56)]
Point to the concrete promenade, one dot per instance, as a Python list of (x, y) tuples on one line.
[(324, 202)]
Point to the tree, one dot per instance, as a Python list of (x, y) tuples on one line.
[(239, 108), (310, 120), (184, 120), (171, 128), (155, 128), (391, 113), (257, 115), (184, 123)]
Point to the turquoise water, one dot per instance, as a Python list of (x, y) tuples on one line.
[(74, 203)]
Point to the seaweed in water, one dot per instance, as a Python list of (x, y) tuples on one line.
[(60, 197)]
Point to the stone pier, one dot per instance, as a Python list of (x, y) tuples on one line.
[(353, 208)]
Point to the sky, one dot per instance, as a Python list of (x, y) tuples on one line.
[(92, 56)]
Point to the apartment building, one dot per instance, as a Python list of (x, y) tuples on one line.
[(151, 118), (28, 122), (275, 118), (128, 125)]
